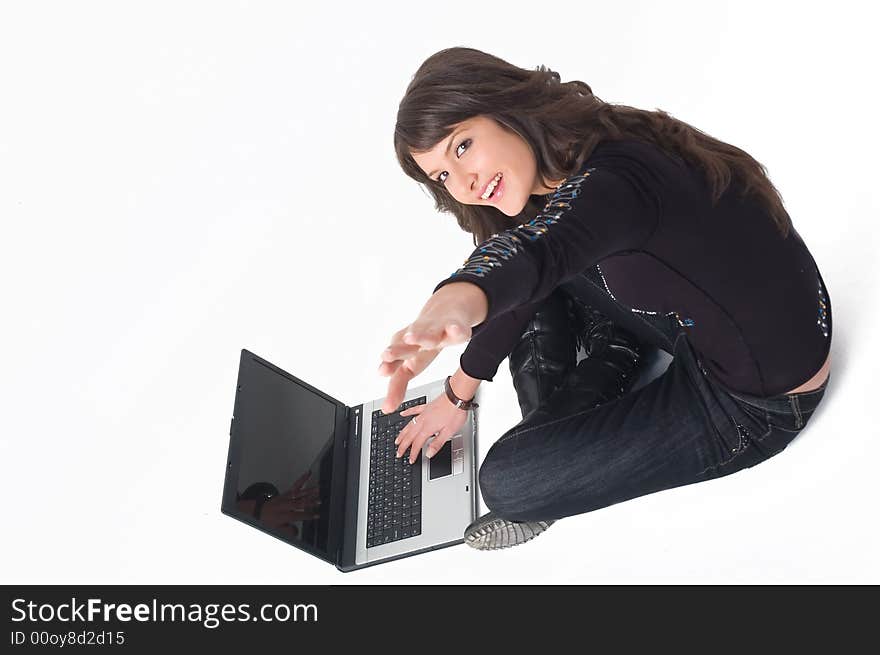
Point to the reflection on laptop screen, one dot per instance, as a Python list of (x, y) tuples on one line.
[(286, 452)]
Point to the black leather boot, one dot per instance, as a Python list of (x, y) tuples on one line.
[(608, 342), (545, 354), (610, 369), (549, 384)]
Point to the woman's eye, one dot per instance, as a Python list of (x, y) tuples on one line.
[(465, 142)]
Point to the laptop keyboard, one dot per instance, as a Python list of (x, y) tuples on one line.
[(395, 501)]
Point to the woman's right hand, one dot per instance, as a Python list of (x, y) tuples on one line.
[(439, 419), (403, 362)]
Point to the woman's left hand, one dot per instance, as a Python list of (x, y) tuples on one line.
[(438, 417), (447, 317), (445, 320)]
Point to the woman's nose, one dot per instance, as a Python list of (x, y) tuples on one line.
[(468, 188)]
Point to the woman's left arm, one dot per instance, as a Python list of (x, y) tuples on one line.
[(448, 316), (591, 216)]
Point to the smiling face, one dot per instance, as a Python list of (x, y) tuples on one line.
[(473, 155)]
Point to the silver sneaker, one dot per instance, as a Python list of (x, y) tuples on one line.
[(491, 532)]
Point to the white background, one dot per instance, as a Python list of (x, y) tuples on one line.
[(181, 180)]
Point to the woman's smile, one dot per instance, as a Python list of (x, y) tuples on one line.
[(497, 191)]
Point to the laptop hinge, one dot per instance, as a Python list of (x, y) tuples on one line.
[(345, 448), (347, 545)]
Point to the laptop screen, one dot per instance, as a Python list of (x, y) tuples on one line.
[(285, 436)]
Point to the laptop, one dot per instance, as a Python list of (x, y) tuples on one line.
[(322, 476)]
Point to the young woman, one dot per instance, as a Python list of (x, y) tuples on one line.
[(621, 231)]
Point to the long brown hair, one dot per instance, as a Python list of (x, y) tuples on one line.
[(561, 121)]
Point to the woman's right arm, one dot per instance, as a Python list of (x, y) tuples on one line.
[(463, 385)]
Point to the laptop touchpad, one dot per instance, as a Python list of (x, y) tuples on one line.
[(441, 462)]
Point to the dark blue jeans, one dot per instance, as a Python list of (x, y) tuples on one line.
[(682, 427)]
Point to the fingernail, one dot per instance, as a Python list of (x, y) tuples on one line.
[(397, 455), (397, 441), (430, 453)]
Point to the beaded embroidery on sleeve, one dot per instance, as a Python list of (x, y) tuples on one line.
[(506, 244), (822, 319)]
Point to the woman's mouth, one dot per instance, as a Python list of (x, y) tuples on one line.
[(497, 192)]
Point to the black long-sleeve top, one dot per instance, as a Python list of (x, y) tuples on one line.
[(753, 304)]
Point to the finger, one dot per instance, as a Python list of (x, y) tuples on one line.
[(399, 337), (399, 351), (433, 336), (306, 494), (396, 353), (389, 368), (441, 438), (313, 497), (417, 445), (416, 440), (405, 436), (425, 335), (409, 432), (402, 439), (412, 426), (296, 498), (396, 390), (301, 480)]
